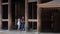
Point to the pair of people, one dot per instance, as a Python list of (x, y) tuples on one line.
[(21, 24)]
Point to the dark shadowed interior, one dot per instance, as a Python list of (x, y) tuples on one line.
[(17, 9), (50, 20)]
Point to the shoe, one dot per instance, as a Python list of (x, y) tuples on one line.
[(23, 29)]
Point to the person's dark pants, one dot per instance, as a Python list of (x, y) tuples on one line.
[(23, 27)]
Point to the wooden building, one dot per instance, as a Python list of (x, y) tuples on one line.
[(49, 13), (40, 15)]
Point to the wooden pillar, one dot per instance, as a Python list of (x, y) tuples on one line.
[(38, 17), (38, 20), (26, 15), (0, 14), (9, 15)]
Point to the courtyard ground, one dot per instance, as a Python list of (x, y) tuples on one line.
[(21, 32)]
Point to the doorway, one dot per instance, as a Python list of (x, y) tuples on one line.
[(17, 9)]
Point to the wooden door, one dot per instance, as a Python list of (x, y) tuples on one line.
[(50, 20)]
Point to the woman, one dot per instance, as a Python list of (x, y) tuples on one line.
[(18, 23)]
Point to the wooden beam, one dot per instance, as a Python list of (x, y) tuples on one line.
[(32, 20), (9, 15), (48, 6), (0, 14), (26, 15), (4, 19), (5, 3)]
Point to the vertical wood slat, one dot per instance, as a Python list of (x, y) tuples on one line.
[(9, 14), (26, 15), (0, 14), (38, 17)]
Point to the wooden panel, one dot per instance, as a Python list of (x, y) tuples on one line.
[(47, 19)]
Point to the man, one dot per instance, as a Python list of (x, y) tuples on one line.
[(23, 24)]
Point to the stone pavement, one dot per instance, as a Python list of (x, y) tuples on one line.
[(21, 32)]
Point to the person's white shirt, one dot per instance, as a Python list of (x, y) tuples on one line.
[(18, 23)]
